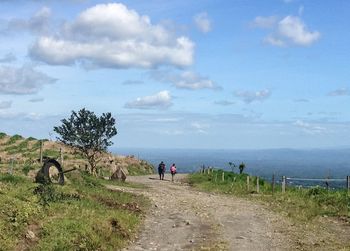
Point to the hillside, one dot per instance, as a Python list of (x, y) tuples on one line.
[(23, 154), (81, 215)]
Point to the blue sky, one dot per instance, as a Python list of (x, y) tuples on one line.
[(180, 74)]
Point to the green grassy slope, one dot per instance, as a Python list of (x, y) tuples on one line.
[(82, 215)]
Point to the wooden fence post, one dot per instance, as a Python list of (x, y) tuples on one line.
[(61, 157), (41, 152), (348, 183), (283, 184), (273, 183), (257, 184), (216, 177), (223, 176), (248, 183)]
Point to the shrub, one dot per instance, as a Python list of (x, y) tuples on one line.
[(2, 135)]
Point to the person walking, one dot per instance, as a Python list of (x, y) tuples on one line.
[(173, 171), (161, 170)]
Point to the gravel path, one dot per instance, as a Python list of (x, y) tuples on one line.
[(182, 218)]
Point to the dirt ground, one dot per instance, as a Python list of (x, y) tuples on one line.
[(182, 218)]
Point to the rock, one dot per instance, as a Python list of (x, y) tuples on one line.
[(30, 235), (240, 237), (187, 223)]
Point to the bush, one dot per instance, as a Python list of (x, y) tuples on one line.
[(48, 194), (13, 139), (2, 135)]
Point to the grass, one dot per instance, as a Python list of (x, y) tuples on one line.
[(300, 204), (81, 215), (139, 169)]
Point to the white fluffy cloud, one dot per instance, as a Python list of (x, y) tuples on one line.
[(251, 96), (160, 100), (295, 30), (111, 35), (184, 80), (23, 80), (290, 30), (202, 22)]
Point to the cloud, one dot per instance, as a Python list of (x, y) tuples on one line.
[(38, 24), (290, 30), (202, 22), (133, 82), (5, 104), (251, 96), (224, 103), (274, 41), (264, 22), (111, 35), (308, 128), (35, 100), (301, 10), (301, 100), (8, 58), (23, 80), (160, 100), (199, 128), (184, 80), (339, 92), (295, 30)]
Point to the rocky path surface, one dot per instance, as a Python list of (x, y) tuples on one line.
[(182, 218)]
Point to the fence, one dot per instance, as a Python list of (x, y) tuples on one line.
[(286, 181)]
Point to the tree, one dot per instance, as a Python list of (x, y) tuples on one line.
[(241, 167), (88, 134), (232, 165)]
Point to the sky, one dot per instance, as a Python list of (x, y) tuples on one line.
[(180, 74)]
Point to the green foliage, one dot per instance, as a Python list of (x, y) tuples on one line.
[(232, 165), (48, 194), (31, 139), (2, 135), (87, 133), (13, 139)]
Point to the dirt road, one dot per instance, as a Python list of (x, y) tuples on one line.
[(182, 218)]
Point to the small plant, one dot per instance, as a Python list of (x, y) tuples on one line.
[(232, 165), (48, 194)]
